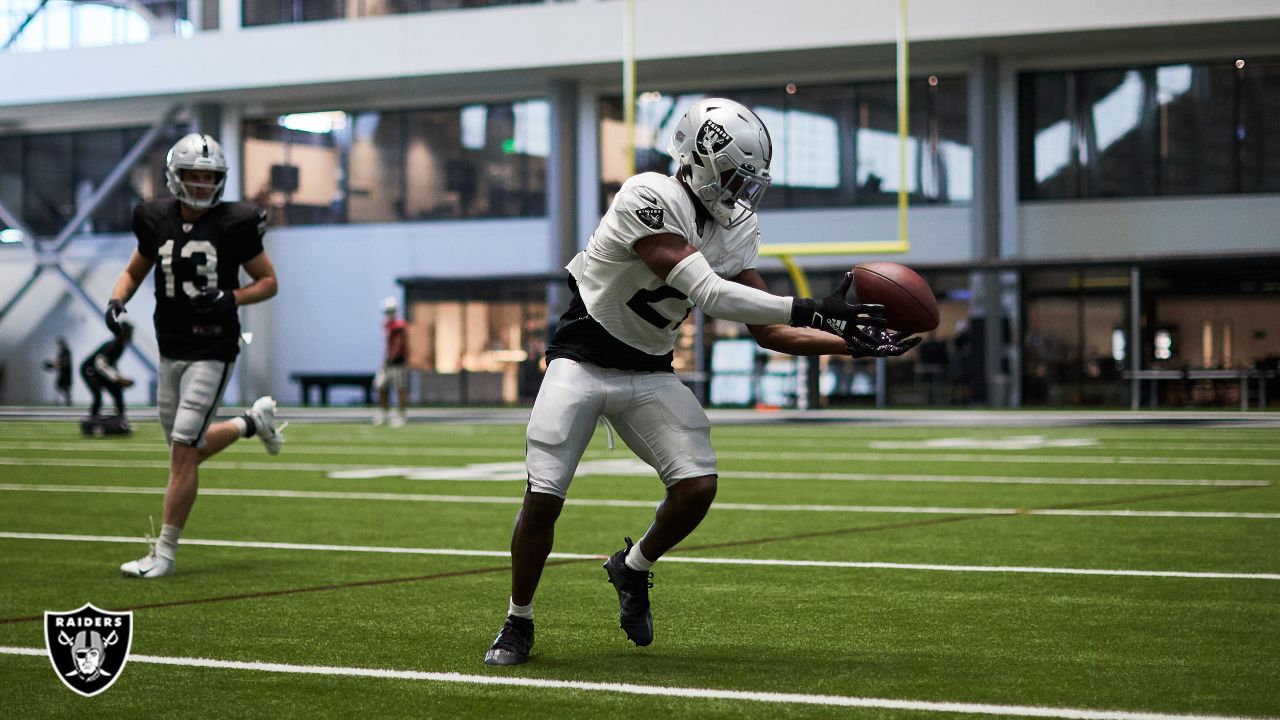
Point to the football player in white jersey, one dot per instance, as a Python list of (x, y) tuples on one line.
[(666, 244)]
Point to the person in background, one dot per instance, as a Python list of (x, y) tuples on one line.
[(61, 367), (394, 371), (100, 373)]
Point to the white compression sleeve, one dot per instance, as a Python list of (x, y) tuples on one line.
[(725, 299)]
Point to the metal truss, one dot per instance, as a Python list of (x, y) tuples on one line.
[(48, 251)]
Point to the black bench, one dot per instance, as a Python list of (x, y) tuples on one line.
[(325, 380)]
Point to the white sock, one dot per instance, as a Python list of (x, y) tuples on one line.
[(167, 543), (520, 611), (637, 561), (241, 426)]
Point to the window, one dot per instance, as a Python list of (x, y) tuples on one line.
[(1260, 125), (1186, 128), (62, 24), (1197, 128), (272, 12), (483, 160), (833, 145)]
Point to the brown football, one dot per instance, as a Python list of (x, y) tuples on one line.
[(908, 301)]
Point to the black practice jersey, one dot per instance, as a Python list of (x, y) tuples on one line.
[(580, 337), (110, 351), (190, 257)]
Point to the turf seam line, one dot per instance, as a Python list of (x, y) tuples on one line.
[(722, 506), (785, 698)]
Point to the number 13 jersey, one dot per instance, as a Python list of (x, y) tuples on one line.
[(192, 256), (620, 293)]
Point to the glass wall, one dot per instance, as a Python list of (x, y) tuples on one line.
[(477, 341), (274, 12), (63, 24), (476, 161), (834, 145), (1177, 129), (1074, 325), (45, 178)]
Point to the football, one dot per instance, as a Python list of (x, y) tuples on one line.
[(908, 301)]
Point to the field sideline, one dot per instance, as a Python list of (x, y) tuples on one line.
[(1007, 565)]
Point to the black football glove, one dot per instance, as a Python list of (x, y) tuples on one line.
[(213, 300), (115, 316), (876, 342), (835, 315)]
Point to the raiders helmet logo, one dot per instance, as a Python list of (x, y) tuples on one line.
[(88, 647), (712, 137), (651, 217)]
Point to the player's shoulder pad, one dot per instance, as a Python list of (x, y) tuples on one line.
[(649, 196), (152, 212), (241, 214)]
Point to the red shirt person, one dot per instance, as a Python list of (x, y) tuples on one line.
[(394, 371)]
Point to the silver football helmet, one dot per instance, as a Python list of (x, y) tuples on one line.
[(196, 152), (724, 151)]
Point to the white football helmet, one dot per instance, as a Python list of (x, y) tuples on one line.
[(196, 152), (724, 151)]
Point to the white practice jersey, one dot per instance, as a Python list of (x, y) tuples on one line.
[(620, 292)]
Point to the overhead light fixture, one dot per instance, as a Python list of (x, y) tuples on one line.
[(10, 235), (316, 122)]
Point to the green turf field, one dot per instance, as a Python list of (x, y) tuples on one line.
[(842, 566)]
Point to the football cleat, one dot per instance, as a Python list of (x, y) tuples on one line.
[(151, 566), (513, 643), (263, 413), (633, 586), (397, 421)]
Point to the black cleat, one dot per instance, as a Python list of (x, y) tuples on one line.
[(513, 643), (633, 596)]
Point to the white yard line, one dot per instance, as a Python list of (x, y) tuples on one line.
[(720, 506), (743, 474), (922, 455), (498, 446), (653, 690), (676, 558)]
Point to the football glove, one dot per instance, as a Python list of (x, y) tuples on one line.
[(835, 315), (876, 342), (213, 300), (116, 316)]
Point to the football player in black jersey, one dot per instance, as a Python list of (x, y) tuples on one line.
[(196, 245)]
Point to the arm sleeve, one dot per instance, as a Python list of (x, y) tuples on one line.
[(726, 299)]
